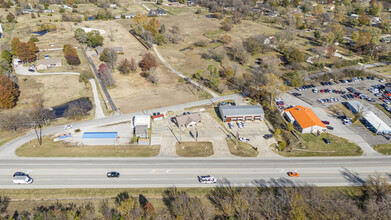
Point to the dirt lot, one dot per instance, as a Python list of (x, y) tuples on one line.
[(133, 92)]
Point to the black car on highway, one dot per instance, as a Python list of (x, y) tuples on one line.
[(19, 174), (112, 174)]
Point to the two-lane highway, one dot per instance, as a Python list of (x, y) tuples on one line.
[(156, 172)]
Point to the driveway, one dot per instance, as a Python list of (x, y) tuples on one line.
[(21, 70), (98, 107), (340, 130)]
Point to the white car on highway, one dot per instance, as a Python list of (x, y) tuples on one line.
[(207, 179)]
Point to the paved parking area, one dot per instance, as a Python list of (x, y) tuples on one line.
[(368, 136), (254, 131)]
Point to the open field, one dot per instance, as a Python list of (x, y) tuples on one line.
[(315, 146), (6, 136), (242, 149), (383, 148), (59, 149), (194, 149), (132, 92), (50, 91), (4, 42), (383, 69)]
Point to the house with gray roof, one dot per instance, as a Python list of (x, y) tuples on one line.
[(241, 113), (49, 63), (129, 15), (188, 120), (157, 12)]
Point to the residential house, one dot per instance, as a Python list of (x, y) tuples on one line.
[(113, 6), (141, 131), (157, 12), (375, 20), (49, 63), (241, 113), (1, 31), (188, 120), (66, 7), (129, 15), (304, 119), (48, 10)]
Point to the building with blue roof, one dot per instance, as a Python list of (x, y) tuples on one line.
[(100, 138)]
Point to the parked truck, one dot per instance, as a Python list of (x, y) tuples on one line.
[(23, 179)]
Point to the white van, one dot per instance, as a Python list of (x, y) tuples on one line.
[(23, 179)]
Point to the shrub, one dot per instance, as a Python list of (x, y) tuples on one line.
[(9, 92), (85, 76), (201, 43), (148, 61)]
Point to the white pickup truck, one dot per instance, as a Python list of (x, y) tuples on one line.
[(23, 179)]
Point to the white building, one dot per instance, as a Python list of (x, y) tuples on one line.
[(1, 31), (142, 120)]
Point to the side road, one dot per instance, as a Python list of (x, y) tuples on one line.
[(21, 70), (8, 150)]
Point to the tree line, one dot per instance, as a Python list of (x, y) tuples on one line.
[(287, 200)]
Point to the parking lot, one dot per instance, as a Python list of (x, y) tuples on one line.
[(254, 131)]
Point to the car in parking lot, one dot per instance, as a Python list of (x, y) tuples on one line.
[(347, 121), (267, 136), (207, 179), (31, 70), (113, 174), (326, 122), (230, 125), (327, 141), (330, 128), (244, 139), (296, 94), (293, 174)]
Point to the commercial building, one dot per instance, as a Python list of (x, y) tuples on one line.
[(141, 131), (100, 138), (369, 119), (241, 113), (188, 120), (304, 119), (142, 120)]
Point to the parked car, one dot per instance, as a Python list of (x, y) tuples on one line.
[(330, 128), (347, 121), (326, 122), (66, 127), (327, 141), (230, 125), (31, 70), (113, 174), (267, 136), (244, 139), (296, 94)]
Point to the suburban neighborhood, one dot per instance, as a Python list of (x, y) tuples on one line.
[(201, 109)]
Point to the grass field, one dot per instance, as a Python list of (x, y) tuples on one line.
[(383, 69), (243, 149), (194, 149), (383, 148), (311, 145), (6, 136), (59, 149)]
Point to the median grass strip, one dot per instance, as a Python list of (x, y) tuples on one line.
[(194, 149), (310, 146), (383, 148), (60, 149), (242, 149)]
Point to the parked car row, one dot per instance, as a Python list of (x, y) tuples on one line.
[(305, 87), (349, 96), (329, 100), (241, 124), (332, 91), (385, 106), (347, 121)]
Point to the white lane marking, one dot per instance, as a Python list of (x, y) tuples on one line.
[(282, 170), (167, 171), (29, 171), (153, 171)]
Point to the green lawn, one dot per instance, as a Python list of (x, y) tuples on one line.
[(194, 149), (313, 146), (60, 149), (383, 148), (242, 149)]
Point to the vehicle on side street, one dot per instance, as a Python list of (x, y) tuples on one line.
[(66, 127), (26, 179), (293, 174), (31, 70), (327, 141), (207, 179), (113, 174)]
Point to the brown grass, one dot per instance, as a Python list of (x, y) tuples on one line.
[(242, 149), (60, 149), (194, 149)]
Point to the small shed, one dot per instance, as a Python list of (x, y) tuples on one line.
[(142, 120), (100, 138), (158, 117), (142, 141)]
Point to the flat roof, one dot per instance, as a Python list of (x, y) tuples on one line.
[(100, 135), (239, 110)]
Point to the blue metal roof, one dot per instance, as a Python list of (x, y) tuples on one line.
[(100, 135)]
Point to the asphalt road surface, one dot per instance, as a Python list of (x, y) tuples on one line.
[(163, 172)]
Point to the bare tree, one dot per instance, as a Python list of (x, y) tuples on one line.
[(13, 120)]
